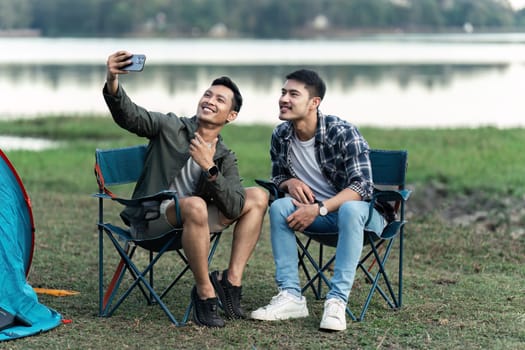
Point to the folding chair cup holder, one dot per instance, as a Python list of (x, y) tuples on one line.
[(389, 171), (120, 166)]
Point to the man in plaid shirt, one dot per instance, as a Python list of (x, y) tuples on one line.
[(322, 163)]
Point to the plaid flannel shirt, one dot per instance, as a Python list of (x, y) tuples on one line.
[(341, 152)]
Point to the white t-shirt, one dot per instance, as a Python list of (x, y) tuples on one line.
[(185, 182), (307, 169)]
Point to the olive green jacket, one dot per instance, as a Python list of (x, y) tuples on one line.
[(168, 151)]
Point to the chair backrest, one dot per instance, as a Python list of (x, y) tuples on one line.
[(119, 166), (389, 167), (388, 173)]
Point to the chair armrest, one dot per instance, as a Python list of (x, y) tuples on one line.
[(149, 206), (387, 196), (405, 194), (274, 192), (101, 195), (381, 201), (138, 202)]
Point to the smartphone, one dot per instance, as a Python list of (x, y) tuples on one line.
[(137, 63)]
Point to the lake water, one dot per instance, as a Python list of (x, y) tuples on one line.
[(387, 81), (9, 143)]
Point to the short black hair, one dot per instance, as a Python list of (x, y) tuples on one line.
[(312, 81), (237, 97)]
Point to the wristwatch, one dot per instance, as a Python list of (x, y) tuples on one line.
[(322, 209), (211, 172)]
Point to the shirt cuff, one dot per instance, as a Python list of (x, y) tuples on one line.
[(356, 187)]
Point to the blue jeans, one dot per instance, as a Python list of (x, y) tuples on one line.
[(349, 221)]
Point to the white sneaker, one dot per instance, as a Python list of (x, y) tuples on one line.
[(334, 315), (282, 306)]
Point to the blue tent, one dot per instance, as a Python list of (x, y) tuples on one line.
[(21, 314)]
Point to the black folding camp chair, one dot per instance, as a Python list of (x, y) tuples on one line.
[(388, 171), (122, 166)]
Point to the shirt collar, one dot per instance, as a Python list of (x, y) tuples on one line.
[(320, 133)]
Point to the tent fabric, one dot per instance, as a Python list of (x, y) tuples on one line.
[(16, 251)]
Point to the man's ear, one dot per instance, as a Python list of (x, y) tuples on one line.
[(315, 102), (232, 116)]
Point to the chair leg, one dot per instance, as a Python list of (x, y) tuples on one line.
[(318, 271), (179, 276), (116, 280), (319, 284), (390, 299), (100, 270), (151, 279), (319, 267), (302, 251), (139, 280), (106, 298), (400, 277)]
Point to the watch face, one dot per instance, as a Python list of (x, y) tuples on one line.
[(323, 211), (213, 171)]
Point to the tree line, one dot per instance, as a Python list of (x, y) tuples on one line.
[(251, 18)]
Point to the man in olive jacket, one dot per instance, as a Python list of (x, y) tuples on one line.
[(188, 155)]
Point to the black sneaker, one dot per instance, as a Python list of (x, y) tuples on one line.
[(229, 295), (205, 311)]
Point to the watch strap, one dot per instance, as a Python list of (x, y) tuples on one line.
[(322, 209)]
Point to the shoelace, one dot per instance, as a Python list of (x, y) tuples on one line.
[(235, 293), (279, 299), (334, 307)]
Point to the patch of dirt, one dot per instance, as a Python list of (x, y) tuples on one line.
[(480, 210)]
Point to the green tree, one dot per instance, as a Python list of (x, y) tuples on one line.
[(480, 13), (358, 13), (15, 14), (427, 13), (254, 18)]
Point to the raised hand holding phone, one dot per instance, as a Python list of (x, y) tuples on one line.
[(122, 62), (137, 63)]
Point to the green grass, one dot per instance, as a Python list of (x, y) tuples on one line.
[(463, 288), (462, 160)]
